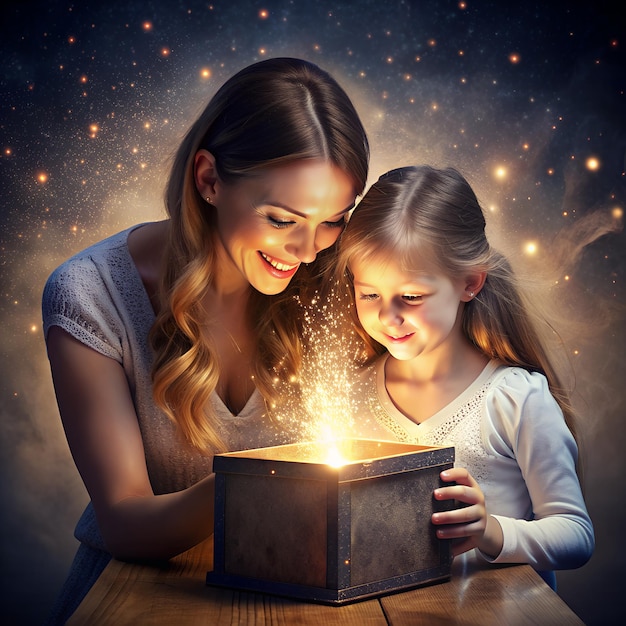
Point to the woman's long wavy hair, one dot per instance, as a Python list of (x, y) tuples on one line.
[(423, 212), (269, 114)]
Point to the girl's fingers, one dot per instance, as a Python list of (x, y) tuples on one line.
[(463, 515), (459, 475), (467, 495)]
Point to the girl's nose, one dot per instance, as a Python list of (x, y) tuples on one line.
[(390, 315)]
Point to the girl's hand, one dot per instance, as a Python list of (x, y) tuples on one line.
[(470, 525)]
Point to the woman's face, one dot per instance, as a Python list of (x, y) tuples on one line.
[(270, 223)]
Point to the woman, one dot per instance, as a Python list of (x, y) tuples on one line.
[(171, 340)]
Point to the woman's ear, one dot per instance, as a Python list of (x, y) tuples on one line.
[(205, 174), (474, 282)]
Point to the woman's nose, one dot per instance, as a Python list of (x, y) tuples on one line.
[(302, 245)]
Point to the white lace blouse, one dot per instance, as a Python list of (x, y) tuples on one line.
[(98, 297), (509, 432)]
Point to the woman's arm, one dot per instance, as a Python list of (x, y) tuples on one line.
[(103, 433)]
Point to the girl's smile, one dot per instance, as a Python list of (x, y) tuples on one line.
[(411, 313)]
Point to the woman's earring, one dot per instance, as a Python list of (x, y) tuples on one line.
[(208, 199)]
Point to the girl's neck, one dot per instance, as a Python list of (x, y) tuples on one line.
[(421, 387)]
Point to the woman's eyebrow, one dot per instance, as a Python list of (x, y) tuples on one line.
[(284, 207)]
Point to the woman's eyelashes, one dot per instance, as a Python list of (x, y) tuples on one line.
[(340, 223), (278, 222)]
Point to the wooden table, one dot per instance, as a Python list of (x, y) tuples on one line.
[(175, 593)]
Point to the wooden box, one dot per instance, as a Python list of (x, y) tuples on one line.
[(292, 521)]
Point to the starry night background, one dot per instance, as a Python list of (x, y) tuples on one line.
[(527, 100)]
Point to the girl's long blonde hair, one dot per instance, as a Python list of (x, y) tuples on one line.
[(435, 214), (271, 113)]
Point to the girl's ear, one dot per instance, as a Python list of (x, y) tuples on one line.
[(205, 174), (473, 284)]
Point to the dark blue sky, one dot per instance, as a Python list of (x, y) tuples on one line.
[(94, 97)]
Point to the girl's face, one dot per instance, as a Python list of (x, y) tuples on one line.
[(270, 223), (411, 313)]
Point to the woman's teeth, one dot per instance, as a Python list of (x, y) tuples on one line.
[(276, 264)]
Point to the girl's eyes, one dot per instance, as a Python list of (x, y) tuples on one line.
[(412, 298), (368, 297), (407, 297)]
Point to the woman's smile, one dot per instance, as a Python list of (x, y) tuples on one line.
[(278, 268)]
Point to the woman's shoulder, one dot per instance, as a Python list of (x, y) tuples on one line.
[(83, 265), (84, 293)]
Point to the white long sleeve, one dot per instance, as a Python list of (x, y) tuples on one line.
[(509, 432)]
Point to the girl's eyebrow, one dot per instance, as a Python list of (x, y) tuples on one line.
[(284, 207)]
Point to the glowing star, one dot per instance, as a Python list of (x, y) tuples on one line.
[(500, 172), (263, 14), (531, 248), (205, 73), (514, 58), (592, 164), (147, 26), (42, 177)]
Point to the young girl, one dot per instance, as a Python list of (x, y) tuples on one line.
[(166, 340), (454, 357)]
